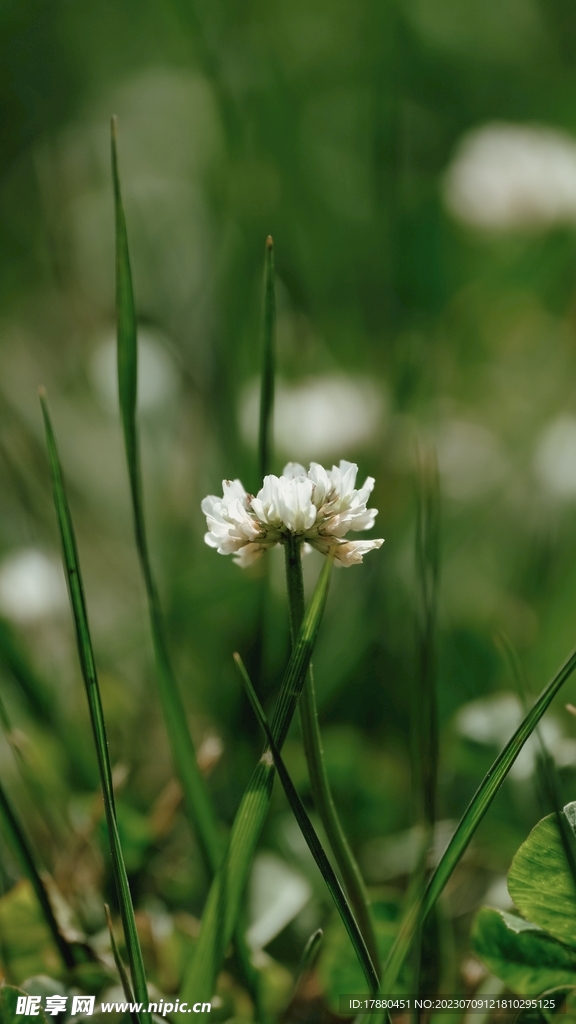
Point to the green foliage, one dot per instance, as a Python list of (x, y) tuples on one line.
[(420, 905), (369, 967), (537, 952), (335, 126), (90, 677), (8, 1001), (541, 884), (24, 852), (27, 943), (223, 903), (195, 795), (525, 957)]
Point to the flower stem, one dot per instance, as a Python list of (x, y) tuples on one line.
[(319, 785)]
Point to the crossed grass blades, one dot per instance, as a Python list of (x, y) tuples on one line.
[(230, 866)]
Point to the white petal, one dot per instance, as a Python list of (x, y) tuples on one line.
[(363, 519), (249, 554), (209, 503), (234, 489), (293, 469), (364, 492), (353, 551), (322, 484), (267, 503), (296, 506)]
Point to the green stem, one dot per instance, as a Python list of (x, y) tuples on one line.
[(320, 787)]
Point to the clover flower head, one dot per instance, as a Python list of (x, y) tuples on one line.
[(319, 507)]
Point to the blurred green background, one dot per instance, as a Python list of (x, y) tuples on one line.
[(416, 165)]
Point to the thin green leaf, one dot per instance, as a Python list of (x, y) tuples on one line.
[(224, 898), (90, 677), (418, 910), (24, 852), (549, 784), (309, 956), (265, 437), (311, 837), (196, 798), (123, 974)]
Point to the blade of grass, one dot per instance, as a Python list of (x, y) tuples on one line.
[(319, 784), (417, 910), (550, 792), (265, 437), (196, 798), (24, 852), (308, 959), (90, 677), (122, 973), (224, 898), (311, 837)]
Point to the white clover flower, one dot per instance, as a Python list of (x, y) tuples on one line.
[(318, 507), (513, 176)]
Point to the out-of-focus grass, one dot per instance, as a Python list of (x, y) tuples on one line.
[(329, 126)]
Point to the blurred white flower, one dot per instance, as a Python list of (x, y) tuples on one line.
[(469, 459), (492, 721), (318, 507), (277, 894), (157, 375), (507, 176), (555, 457), (31, 585), (320, 416)]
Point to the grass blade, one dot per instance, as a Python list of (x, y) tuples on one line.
[(309, 956), (196, 798), (90, 677), (550, 791), (418, 910), (122, 973), (224, 899), (311, 837), (265, 437), (23, 849)]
